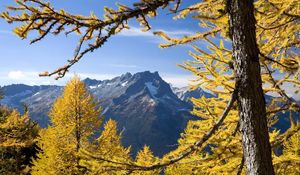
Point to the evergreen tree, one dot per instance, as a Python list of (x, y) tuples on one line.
[(74, 119)]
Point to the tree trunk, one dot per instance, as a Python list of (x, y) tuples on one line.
[(251, 101)]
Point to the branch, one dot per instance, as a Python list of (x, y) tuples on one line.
[(278, 26), (45, 19), (175, 8), (281, 92), (272, 60), (187, 39)]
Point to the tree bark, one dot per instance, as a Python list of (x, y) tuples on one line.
[(251, 101)]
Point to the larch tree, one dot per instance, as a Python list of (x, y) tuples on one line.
[(108, 147), (253, 49), (74, 119), (17, 142), (145, 157)]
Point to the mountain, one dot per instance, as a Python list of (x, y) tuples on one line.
[(147, 109), (144, 105), (39, 99), (185, 93)]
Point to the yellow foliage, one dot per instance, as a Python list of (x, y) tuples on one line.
[(213, 68), (16, 132), (277, 37), (74, 119), (17, 141), (145, 157), (101, 158)]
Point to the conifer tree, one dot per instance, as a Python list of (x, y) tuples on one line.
[(108, 147), (262, 58), (17, 142), (74, 119), (145, 157)]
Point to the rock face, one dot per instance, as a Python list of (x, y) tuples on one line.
[(143, 104), (146, 109)]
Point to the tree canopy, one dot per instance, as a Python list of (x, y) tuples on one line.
[(17, 142), (75, 117)]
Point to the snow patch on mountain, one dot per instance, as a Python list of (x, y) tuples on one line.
[(93, 87), (36, 94), (124, 84), (152, 89)]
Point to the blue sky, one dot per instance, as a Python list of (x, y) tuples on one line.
[(132, 51)]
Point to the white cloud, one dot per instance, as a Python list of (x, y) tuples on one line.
[(133, 31), (32, 78), (177, 32), (25, 77), (136, 32), (16, 75), (178, 80)]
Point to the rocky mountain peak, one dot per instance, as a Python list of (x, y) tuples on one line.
[(91, 82), (143, 104)]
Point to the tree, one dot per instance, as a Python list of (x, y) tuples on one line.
[(17, 142), (74, 119), (248, 84), (108, 147), (145, 157), (264, 41)]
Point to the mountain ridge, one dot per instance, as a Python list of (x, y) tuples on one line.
[(143, 104), (148, 110)]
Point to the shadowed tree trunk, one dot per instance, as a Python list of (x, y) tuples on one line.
[(251, 101)]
